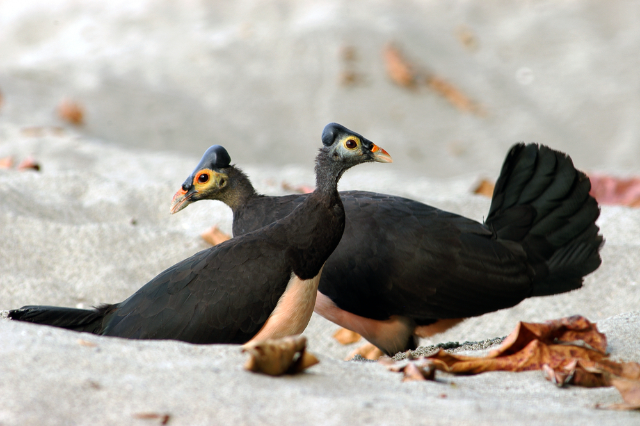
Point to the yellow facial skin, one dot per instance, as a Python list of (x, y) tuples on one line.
[(204, 181), (351, 143)]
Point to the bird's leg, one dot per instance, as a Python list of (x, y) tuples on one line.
[(437, 327), (215, 236)]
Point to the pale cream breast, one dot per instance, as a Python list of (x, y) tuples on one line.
[(293, 311)]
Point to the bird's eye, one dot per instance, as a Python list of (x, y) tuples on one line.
[(351, 144), (203, 178)]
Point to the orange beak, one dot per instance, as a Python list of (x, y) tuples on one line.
[(380, 155), (180, 201)]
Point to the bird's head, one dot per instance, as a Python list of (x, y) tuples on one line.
[(350, 148), (207, 180)]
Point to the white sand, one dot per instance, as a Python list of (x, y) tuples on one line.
[(67, 239), (262, 78)]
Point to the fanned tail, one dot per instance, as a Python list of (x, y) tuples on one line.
[(542, 202)]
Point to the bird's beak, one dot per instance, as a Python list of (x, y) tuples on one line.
[(182, 199), (380, 155)]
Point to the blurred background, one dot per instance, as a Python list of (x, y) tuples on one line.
[(445, 86)]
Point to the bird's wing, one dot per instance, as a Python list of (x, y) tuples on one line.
[(399, 256), (220, 295), (263, 210)]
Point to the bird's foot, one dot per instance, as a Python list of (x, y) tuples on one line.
[(368, 351), (345, 336)]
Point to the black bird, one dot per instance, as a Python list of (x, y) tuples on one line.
[(260, 285), (404, 268)]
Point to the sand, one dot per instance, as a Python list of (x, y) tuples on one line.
[(159, 83)]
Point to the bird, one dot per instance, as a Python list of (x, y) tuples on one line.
[(405, 270), (260, 285)]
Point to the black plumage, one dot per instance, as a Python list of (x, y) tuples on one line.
[(404, 264), (262, 283)]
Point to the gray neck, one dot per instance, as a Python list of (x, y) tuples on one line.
[(328, 172)]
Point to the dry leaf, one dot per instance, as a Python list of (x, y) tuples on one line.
[(630, 391), (616, 191), (215, 236), (453, 95), (349, 78), (346, 337), (568, 350), (467, 38), (6, 162), (419, 369), (276, 357), (406, 74), (399, 70), (71, 112), (57, 130), (367, 351), (164, 418), (485, 188), (29, 164), (348, 53), (86, 343), (300, 189), (93, 384), (33, 131)]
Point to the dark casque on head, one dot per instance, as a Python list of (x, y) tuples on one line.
[(332, 130), (216, 157)]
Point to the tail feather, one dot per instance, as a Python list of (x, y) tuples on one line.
[(88, 320), (543, 176), (542, 202)]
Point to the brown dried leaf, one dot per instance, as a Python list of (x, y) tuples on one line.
[(420, 369), (413, 370), (485, 188), (57, 130), (215, 236), (367, 351), (86, 343), (6, 162), (33, 131), (349, 78), (276, 357), (93, 384), (568, 350), (348, 53), (453, 95), (300, 189), (29, 164), (630, 391), (164, 418), (412, 373), (532, 345), (399, 70), (615, 191), (71, 112), (467, 38), (346, 337)]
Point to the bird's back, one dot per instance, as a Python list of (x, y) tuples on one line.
[(220, 295)]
